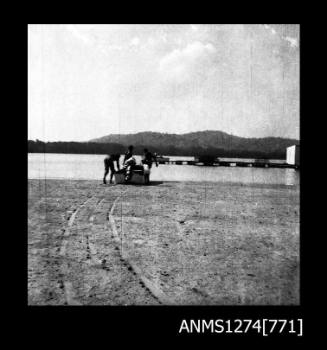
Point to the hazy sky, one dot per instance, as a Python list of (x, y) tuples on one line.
[(87, 81)]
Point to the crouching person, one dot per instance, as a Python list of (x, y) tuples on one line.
[(110, 166)]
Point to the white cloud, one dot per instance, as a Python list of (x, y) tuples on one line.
[(194, 27), (114, 47), (180, 62), (272, 30), (151, 41), (163, 37), (135, 41), (293, 41), (78, 35), (183, 65)]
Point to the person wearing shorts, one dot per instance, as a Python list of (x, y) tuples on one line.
[(110, 166)]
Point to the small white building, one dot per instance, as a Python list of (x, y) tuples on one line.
[(293, 155)]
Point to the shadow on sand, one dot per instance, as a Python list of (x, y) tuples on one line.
[(151, 183)]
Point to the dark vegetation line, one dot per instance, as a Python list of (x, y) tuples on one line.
[(169, 150)]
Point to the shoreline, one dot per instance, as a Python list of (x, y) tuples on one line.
[(221, 183)]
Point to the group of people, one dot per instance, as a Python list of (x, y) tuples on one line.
[(129, 163)]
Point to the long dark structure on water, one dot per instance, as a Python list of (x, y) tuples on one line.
[(205, 161)]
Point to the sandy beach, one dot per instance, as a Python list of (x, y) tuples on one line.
[(169, 243)]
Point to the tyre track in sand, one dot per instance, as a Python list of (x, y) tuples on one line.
[(152, 287), (65, 283), (86, 246)]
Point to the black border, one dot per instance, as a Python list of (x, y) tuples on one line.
[(162, 321)]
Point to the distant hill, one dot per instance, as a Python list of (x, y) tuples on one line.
[(200, 142), (213, 143)]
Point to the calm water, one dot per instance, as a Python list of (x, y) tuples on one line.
[(90, 167)]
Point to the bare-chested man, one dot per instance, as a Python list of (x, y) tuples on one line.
[(109, 165)]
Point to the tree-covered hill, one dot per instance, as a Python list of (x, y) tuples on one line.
[(215, 143)]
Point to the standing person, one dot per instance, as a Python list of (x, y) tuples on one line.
[(109, 165), (128, 163), (147, 161), (149, 158)]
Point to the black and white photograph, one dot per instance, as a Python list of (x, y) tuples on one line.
[(163, 165)]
